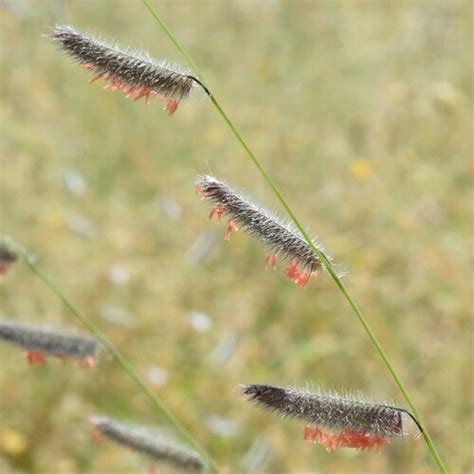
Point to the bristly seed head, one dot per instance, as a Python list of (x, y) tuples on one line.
[(152, 444), (351, 421), (44, 340), (135, 73), (280, 237)]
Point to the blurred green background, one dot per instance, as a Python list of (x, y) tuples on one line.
[(360, 111)]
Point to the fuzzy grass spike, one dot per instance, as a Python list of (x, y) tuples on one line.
[(41, 341), (135, 73), (155, 446), (280, 237), (335, 421)]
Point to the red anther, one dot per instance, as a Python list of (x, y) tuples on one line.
[(87, 362), (231, 228), (144, 92), (358, 440), (344, 439), (115, 84), (96, 77), (218, 211), (198, 190), (303, 279), (293, 273), (315, 435), (114, 79), (4, 267), (97, 437), (121, 85), (141, 92), (148, 95), (88, 67), (130, 91), (110, 81), (271, 261), (35, 357), (172, 106)]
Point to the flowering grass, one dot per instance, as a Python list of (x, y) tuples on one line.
[(153, 445), (41, 341), (281, 238), (135, 73), (352, 421), (363, 95)]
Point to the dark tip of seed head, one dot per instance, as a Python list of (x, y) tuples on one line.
[(6, 255), (263, 393)]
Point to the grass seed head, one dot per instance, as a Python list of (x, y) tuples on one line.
[(40, 341), (280, 237), (351, 420), (135, 73), (154, 445)]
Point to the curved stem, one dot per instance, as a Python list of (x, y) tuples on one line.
[(300, 228), (119, 357)]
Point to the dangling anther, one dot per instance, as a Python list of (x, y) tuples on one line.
[(87, 362), (172, 106), (231, 228), (271, 262), (35, 357), (96, 77), (216, 211)]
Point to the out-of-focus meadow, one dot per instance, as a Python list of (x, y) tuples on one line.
[(361, 112)]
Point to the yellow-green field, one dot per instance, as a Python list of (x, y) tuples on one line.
[(360, 111)]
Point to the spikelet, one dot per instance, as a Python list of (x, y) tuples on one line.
[(7, 259), (135, 73), (351, 421), (154, 445), (40, 341), (280, 237)]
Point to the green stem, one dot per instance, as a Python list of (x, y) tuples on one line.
[(121, 359), (300, 228)]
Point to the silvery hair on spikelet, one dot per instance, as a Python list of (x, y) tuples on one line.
[(135, 73), (154, 445), (48, 340), (280, 237), (331, 411)]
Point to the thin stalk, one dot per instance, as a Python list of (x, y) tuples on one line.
[(324, 260), (119, 357)]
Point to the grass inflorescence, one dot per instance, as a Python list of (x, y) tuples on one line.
[(281, 238), (135, 73), (356, 421), (150, 443), (42, 340)]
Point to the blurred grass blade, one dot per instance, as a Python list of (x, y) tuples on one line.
[(300, 228), (118, 356)]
